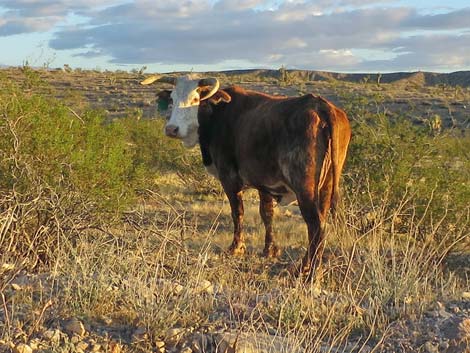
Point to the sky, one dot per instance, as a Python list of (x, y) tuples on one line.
[(209, 35)]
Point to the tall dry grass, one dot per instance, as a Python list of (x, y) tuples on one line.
[(142, 274)]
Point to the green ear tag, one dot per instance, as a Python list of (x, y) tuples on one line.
[(162, 105)]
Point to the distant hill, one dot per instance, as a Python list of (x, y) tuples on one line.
[(419, 78)]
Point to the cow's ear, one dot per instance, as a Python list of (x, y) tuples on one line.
[(164, 101), (220, 96)]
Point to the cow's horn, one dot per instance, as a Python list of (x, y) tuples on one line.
[(209, 82), (157, 78)]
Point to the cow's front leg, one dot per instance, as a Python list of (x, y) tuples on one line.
[(234, 195), (266, 211)]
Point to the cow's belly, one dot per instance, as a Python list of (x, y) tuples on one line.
[(281, 193)]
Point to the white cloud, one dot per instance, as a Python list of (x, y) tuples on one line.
[(323, 34), (26, 16), (237, 5), (294, 43)]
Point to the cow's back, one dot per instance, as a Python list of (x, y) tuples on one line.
[(269, 140), (272, 135)]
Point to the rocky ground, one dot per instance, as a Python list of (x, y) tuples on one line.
[(443, 328)]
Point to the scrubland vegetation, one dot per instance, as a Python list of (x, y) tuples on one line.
[(112, 238)]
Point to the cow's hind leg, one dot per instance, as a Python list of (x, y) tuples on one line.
[(311, 214), (266, 211), (327, 199)]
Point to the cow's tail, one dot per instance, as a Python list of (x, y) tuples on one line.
[(340, 135)]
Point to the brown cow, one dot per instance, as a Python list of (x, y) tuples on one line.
[(287, 148)]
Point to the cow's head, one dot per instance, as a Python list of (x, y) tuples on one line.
[(181, 105)]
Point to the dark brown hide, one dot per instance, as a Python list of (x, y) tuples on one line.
[(276, 145)]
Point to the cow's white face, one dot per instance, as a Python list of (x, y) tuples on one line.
[(183, 122), (183, 104)]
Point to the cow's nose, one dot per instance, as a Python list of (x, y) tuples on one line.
[(171, 130)]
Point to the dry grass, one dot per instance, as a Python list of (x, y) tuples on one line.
[(164, 267)]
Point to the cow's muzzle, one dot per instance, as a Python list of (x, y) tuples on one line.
[(171, 131)]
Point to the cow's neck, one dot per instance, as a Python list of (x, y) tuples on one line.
[(217, 127), (204, 143), (206, 155)]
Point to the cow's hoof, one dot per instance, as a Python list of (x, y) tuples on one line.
[(237, 249), (272, 251), (306, 273), (299, 269)]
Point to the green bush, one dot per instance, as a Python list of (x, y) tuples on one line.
[(391, 159), (44, 143), (153, 150)]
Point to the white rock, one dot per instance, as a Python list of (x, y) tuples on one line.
[(205, 286), (16, 286), (52, 335), (173, 335), (255, 343), (160, 346), (140, 334), (81, 346), (174, 287), (431, 348), (74, 326), (23, 348)]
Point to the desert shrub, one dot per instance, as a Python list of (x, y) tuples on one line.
[(43, 143), (152, 149), (390, 157), (31, 77), (59, 171)]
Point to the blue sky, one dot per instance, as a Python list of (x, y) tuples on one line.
[(202, 35)]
